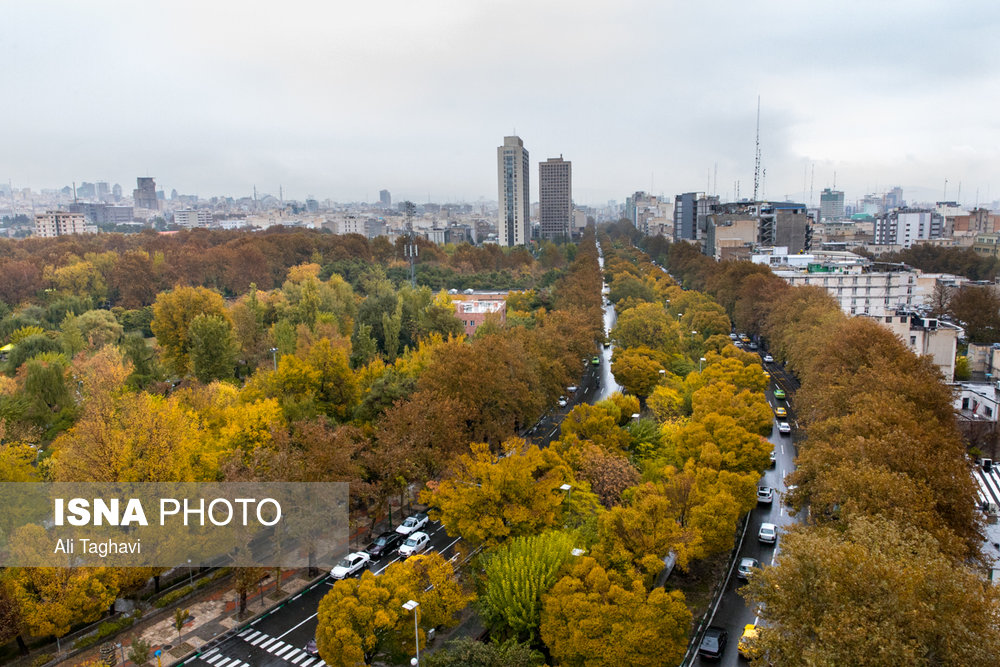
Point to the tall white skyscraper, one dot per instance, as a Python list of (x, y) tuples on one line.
[(514, 223), (555, 198)]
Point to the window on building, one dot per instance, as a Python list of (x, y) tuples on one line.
[(913, 340), (988, 411)]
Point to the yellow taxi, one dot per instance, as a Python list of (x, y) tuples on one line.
[(748, 642), (780, 412)]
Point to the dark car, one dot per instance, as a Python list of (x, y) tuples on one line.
[(713, 643), (385, 543)]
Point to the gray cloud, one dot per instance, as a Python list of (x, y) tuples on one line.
[(341, 99)]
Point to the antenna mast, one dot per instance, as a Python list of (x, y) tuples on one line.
[(756, 161)]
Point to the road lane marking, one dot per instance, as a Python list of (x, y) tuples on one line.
[(283, 651), (259, 639), (275, 647), (299, 658), (212, 652), (268, 642), (299, 625), (214, 659), (253, 636), (225, 662)]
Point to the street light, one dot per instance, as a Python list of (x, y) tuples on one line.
[(700, 362), (274, 357), (190, 574), (568, 490), (411, 605)]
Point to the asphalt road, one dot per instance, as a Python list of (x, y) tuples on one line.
[(733, 613), (278, 639)]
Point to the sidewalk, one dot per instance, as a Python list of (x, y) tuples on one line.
[(213, 612)]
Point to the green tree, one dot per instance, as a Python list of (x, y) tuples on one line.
[(517, 574), (467, 652), (213, 348)]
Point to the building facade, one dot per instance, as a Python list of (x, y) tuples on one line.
[(555, 198), (831, 204), (926, 336), (60, 223), (691, 211), (144, 196), (513, 184), (384, 198), (189, 217), (904, 227)]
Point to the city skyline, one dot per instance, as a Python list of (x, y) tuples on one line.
[(354, 100)]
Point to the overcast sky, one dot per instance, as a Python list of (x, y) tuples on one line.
[(340, 99)]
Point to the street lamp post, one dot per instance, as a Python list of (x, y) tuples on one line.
[(700, 362), (190, 574), (411, 605), (568, 489), (274, 357)]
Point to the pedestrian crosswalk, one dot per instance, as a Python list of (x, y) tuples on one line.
[(288, 653)]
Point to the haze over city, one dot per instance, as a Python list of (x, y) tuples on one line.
[(338, 101)]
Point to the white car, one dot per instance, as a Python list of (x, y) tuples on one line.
[(784, 428), (768, 359), (562, 402), (414, 544), (765, 494), (412, 524), (571, 389), (350, 564), (768, 533)]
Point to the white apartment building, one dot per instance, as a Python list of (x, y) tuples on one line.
[(926, 336), (60, 223), (189, 217)]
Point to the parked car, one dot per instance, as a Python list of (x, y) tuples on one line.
[(412, 524), (350, 564), (713, 643), (747, 645), (780, 412), (571, 389), (745, 566), (768, 533), (414, 544), (562, 401), (784, 428), (385, 543), (311, 649), (779, 393), (596, 361), (733, 336), (774, 461), (765, 494), (768, 359)]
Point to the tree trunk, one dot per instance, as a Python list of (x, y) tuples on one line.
[(243, 603), (156, 583), (22, 648)]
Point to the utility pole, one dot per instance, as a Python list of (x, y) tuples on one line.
[(756, 163)]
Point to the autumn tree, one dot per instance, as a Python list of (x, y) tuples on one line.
[(51, 600), (467, 652), (637, 369), (173, 314), (647, 325), (608, 474), (598, 617), (359, 618), (978, 309), (875, 593), (489, 498)]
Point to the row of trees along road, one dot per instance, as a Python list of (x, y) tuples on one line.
[(886, 569), (676, 481)]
